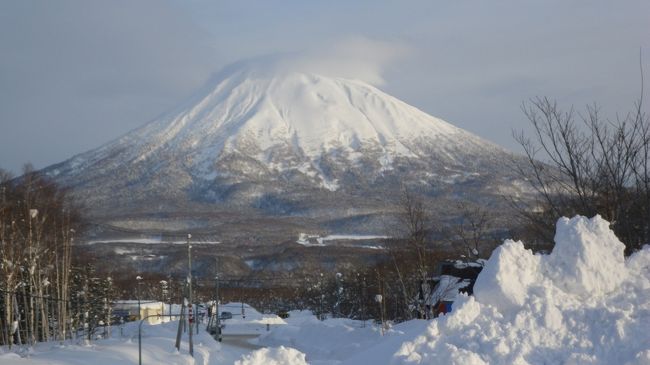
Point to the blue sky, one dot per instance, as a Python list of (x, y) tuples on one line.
[(77, 74)]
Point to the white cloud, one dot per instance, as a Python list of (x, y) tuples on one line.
[(354, 57)]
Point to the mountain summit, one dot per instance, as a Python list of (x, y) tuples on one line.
[(282, 143)]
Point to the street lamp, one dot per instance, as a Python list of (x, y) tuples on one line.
[(379, 299), (139, 280), (189, 284)]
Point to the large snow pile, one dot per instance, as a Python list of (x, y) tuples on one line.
[(582, 304), (273, 356)]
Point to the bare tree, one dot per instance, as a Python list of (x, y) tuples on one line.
[(474, 230), (410, 251), (415, 218), (36, 222), (580, 163)]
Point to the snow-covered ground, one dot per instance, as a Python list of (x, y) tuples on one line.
[(151, 241), (582, 304), (309, 240), (122, 348)]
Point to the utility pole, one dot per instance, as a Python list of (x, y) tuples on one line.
[(190, 317)]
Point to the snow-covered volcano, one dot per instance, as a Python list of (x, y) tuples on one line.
[(272, 140)]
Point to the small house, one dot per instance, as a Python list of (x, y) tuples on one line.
[(128, 310)]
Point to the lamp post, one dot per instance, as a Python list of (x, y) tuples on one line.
[(140, 331), (379, 299), (139, 280), (189, 284)]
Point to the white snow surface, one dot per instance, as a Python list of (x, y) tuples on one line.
[(273, 356), (247, 321), (315, 240), (150, 241), (304, 112), (582, 304), (344, 337), (122, 348)]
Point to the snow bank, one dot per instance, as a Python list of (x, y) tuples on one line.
[(588, 258), (505, 277), (331, 339), (582, 304), (247, 321), (273, 356), (339, 341)]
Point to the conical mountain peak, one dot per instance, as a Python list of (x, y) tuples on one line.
[(256, 124), (310, 114)]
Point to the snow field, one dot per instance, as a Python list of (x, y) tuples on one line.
[(273, 356), (331, 339), (157, 348)]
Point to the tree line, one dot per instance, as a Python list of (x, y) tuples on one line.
[(45, 292)]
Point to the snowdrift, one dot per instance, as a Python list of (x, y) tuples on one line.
[(332, 339), (581, 304), (273, 356)]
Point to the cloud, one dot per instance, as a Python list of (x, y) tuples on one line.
[(354, 57)]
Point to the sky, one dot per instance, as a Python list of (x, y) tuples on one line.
[(75, 74)]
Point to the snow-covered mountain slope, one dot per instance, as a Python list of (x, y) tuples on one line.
[(272, 140)]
